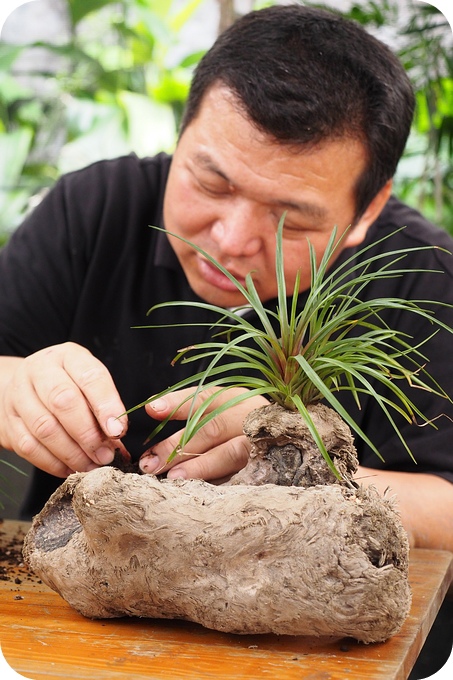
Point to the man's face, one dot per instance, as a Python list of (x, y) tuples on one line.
[(228, 187)]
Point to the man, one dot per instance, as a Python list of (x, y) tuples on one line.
[(293, 109)]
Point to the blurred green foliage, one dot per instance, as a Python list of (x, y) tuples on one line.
[(423, 40), (116, 87), (113, 89)]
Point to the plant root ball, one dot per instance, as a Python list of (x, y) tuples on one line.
[(284, 452), (326, 560)]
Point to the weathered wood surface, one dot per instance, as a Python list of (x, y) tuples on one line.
[(323, 560), (43, 638)]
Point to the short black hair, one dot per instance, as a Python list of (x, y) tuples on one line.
[(304, 75)]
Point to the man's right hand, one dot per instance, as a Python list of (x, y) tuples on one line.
[(59, 410)]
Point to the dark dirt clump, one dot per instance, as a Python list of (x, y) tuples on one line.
[(12, 567)]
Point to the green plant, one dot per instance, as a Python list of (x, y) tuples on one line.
[(300, 356), (4, 480)]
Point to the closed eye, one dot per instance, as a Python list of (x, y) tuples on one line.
[(212, 185)]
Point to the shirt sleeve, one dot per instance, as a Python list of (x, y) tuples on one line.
[(430, 440), (38, 286), (80, 243)]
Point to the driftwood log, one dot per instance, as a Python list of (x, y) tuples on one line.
[(325, 560)]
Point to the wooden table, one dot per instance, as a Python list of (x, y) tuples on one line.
[(42, 638)]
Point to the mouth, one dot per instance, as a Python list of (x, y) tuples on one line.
[(216, 278)]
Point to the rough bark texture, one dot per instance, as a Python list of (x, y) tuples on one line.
[(284, 452), (326, 560)]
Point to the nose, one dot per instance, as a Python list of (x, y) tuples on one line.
[(239, 231)]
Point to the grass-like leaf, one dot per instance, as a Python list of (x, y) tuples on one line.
[(4, 481), (336, 342)]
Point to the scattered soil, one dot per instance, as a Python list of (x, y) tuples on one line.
[(124, 463), (12, 567)]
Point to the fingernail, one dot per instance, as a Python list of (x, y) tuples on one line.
[(158, 405), (177, 473), (114, 427), (104, 455), (149, 463)]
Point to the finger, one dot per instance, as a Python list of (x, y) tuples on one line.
[(66, 396), (67, 458), (220, 429), (156, 463), (35, 430), (217, 464), (224, 426), (29, 448), (66, 426), (99, 390), (178, 404)]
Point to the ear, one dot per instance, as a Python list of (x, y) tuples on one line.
[(357, 234)]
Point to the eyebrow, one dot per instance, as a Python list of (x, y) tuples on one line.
[(303, 207), (208, 164)]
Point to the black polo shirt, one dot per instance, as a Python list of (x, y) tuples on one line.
[(86, 267)]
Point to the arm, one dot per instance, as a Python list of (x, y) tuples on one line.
[(424, 501), (58, 403), (59, 408)]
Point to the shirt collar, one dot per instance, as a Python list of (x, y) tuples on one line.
[(164, 255)]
